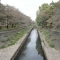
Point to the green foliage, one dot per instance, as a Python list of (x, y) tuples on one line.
[(44, 13), (44, 7), (48, 15), (51, 44)]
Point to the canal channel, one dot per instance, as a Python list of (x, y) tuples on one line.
[(32, 49)]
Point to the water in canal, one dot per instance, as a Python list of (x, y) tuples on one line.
[(32, 49)]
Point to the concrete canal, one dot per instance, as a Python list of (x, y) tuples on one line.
[(32, 49)]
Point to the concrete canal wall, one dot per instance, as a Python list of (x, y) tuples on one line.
[(49, 52), (10, 52)]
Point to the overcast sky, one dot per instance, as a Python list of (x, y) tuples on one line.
[(28, 7)]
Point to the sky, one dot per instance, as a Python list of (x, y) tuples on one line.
[(28, 7)]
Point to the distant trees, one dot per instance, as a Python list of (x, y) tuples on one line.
[(12, 17)]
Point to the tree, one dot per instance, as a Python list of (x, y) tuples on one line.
[(12, 17), (44, 13)]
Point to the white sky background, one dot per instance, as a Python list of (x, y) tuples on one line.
[(28, 7)]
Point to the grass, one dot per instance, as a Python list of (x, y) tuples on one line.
[(14, 38), (48, 36)]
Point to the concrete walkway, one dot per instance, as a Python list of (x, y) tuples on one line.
[(51, 53), (7, 53)]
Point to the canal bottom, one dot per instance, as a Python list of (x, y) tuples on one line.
[(32, 49)]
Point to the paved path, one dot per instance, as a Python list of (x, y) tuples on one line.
[(10, 31)]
